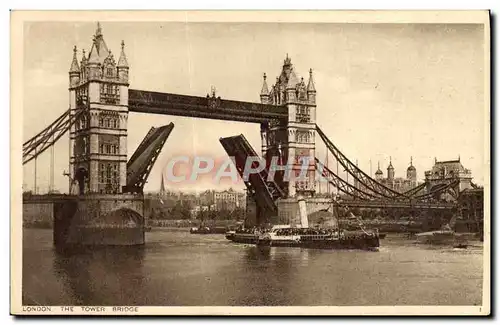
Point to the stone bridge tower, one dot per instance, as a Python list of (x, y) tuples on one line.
[(98, 85), (294, 139)]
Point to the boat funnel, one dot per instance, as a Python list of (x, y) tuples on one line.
[(304, 223)]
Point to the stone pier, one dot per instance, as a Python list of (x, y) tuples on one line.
[(99, 220), (289, 211)]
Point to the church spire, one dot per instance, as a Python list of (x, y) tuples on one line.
[(162, 186), (74, 62), (122, 62)]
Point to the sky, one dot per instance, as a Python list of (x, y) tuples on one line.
[(383, 90)]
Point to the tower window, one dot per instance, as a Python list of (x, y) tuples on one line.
[(84, 145), (108, 173), (114, 123), (101, 122), (109, 94), (101, 149), (109, 72)]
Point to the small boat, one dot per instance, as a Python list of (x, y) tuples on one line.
[(208, 230), (243, 236), (445, 236)]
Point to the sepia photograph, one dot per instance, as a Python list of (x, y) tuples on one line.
[(250, 163)]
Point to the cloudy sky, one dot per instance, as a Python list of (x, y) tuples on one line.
[(384, 90)]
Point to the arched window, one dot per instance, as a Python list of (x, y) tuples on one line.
[(101, 122), (114, 123), (107, 122)]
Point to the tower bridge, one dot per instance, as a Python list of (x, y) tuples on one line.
[(100, 173)]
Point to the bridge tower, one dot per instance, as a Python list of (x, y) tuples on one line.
[(294, 139), (98, 140)]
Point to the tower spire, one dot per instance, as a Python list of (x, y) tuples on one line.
[(74, 62), (288, 61), (310, 85), (122, 61), (98, 31), (265, 90)]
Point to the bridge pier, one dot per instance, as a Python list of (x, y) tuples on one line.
[(98, 220)]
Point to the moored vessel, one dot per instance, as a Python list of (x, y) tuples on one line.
[(445, 236), (243, 236)]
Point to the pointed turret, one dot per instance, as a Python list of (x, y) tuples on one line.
[(264, 92), (94, 55), (379, 174), (94, 63), (123, 66), (292, 80), (122, 62), (311, 89), (310, 85), (411, 167), (74, 71), (84, 59), (74, 63), (411, 172), (390, 170)]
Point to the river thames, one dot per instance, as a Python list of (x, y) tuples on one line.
[(176, 268)]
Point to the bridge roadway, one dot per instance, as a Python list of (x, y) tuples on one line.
[(350, 203), (399, 205), (142, 101), (53, 198)]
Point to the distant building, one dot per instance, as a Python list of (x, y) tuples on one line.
[(398, 184), (448, 170), (229, 200)]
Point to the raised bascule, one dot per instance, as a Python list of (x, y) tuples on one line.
[(105, 205)]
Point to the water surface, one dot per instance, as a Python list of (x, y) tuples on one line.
[(176, 268)]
